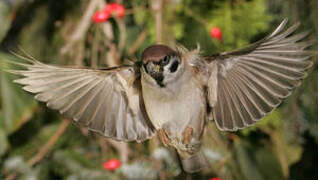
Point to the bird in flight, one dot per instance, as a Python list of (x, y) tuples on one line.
[(175, 92)]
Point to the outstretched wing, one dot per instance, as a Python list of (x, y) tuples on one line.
[(106, 101), (249, 83)]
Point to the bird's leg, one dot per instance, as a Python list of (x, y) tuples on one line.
[(163, 137), (189, 143), (187, 135)]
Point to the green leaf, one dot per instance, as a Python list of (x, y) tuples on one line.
[(178, 30), (4, 19), (267, 163), (245, 162), (17, 106), (4, 145), (274, 119), (140, 15)]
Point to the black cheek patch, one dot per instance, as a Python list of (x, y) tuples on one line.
[(159, 79), (174, 66), (145, 67)]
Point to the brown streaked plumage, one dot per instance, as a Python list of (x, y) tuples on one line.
[(172, 90)]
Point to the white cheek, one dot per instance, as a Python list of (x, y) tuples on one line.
[(172, 76), (147, 78)]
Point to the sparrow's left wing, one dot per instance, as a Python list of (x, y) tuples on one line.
[(107, 101), (247, 84)]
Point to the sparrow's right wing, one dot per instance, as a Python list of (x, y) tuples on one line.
[(108, 102), (247, 84)]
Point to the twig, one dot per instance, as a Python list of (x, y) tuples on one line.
[(112, 56), (104, 148), (157, 8), (294, 6), (188, 177), (122, 148), (95, 44), (189, 12), (140, 39), (82, 27), (11, 176), (122, 31), (46, 148), (122, 34), (278, 148), (162, 175)]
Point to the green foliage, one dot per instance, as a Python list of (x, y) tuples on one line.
[(17, 105), (272, 120), (4, 144), (246, 164), (5, 19), (239, 33)]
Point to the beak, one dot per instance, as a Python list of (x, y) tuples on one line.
[(157, 74), (157, 68)]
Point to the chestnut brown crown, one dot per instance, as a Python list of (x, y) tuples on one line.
[(156, 52)]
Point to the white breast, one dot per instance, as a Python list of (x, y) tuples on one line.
[(174, 106)]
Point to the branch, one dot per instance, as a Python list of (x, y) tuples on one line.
[(82, 28), (122, 149), (122, 34), (189, 12), (46, 148), (157, 8), (140, 39)]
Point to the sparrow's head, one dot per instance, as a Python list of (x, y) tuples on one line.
[(161, 63)]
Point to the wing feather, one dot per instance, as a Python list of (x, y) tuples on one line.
[(253, 81), (106, 101)]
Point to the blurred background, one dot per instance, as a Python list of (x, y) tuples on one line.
[(37, 143)]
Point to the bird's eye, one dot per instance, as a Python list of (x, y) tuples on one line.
[(174, 66)]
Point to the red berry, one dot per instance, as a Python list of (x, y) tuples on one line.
[(100, 16), (216, 33), (109, 8), (112, 164), (114, 6), (118, 9), (215, 178)]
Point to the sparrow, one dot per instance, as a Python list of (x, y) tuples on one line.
[(175, 92)]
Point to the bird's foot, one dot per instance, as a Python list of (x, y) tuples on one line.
[(189, 143), (187, 135), (163, 137)]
